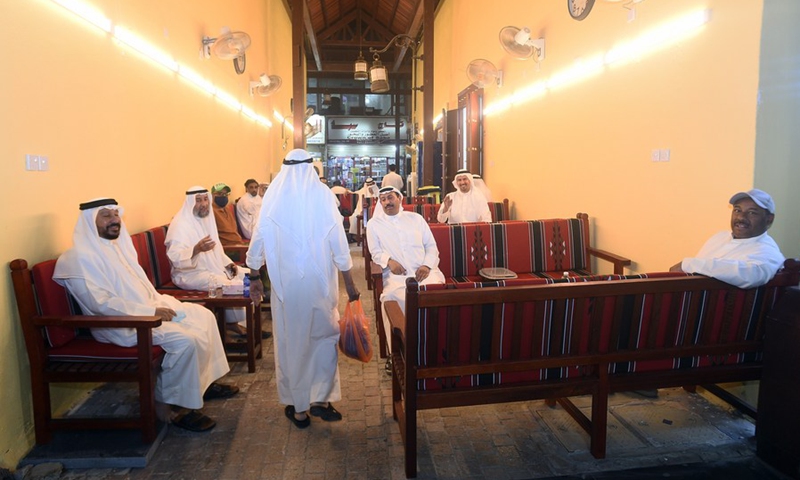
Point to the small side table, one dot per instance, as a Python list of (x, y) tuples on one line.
[(252, 324)]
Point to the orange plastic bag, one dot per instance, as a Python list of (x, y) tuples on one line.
[(354, 339)]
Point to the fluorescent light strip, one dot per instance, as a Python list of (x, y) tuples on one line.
[(651, 41), (142, 46), (129, 39), (87, 13)]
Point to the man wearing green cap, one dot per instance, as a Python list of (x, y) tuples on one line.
[(225, 216)]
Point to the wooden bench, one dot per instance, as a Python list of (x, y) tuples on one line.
[(429, 211), (531, 248), (59, 353), (525, 339)]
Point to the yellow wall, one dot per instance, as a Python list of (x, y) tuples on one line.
[(114, 124), (587, 146)]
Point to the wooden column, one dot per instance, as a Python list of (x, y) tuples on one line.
[(429, 135), (298, 74)]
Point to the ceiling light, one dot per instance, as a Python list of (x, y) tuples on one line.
[(360, 68)]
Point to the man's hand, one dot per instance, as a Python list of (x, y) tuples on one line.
[(352, 292), (395, 267), (233, 269), (256, 291), (205, 244), (166, 314), (676, 267), (448, 202), (422, 273)]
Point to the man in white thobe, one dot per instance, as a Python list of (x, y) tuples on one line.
[(196, 255), (369, 190), (392, 178), (249, 205), (466, 204), (102, 272), (746, 256), (301, 240), (402, 244)]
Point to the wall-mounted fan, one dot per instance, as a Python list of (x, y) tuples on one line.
[(266, 86), (228, 46), (483, 72), (518, 42)]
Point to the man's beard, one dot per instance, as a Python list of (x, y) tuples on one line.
[(108, 235)]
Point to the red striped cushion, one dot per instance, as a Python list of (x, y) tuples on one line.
[(583, 326)]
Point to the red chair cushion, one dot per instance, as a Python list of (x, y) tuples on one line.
[(58, 302)]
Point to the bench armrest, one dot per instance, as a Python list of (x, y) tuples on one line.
[(97, 321), (619, 261), (397, 318)]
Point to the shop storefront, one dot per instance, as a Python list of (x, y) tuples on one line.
[(354, 148)]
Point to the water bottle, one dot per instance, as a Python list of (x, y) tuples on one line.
[(246, 285)]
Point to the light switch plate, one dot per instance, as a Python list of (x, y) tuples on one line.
[(44, 163), (31, 162)]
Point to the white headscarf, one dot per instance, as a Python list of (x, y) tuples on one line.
[(479, 184), (297, 210), (464, 203), (91, 259), (379, 213), (187, 229)]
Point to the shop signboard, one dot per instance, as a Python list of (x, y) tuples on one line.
[(364, 130)]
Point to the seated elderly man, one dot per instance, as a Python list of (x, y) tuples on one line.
[(466, 204), (746, 256), (249, 205), (196, 255), (102, 272), (402, 244)]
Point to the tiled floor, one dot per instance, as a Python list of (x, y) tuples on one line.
[(682, 435)]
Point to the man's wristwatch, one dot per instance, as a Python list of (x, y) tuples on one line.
[(253, 277)]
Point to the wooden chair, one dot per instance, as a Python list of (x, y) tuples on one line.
[(58, 354)]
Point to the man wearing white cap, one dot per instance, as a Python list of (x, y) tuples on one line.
[(249, 205), (466, 204), (369, 190), (746, 256), (102, 272), (402, 244), (300, 238)]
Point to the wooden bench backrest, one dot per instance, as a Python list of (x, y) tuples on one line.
[(429, 211), (552, 245), (157, 253), (653, 322)]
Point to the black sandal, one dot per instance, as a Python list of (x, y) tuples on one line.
[(289, 411), (327, 414), (194, 421), (220, 390)]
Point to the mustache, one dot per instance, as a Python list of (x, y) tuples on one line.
[(111, 225)]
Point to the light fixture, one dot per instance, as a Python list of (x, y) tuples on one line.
[(360, 68), (378, 75)]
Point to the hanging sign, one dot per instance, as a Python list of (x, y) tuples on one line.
[(365, 130)]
